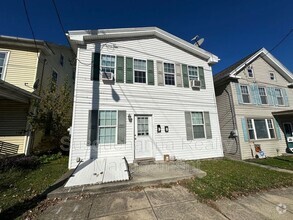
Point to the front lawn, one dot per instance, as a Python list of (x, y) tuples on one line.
[(20, 189), (283, 162), (227, 178)]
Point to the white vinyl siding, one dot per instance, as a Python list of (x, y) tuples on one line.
[(260, 129), (166, 104), (169, 73), (107, 126)]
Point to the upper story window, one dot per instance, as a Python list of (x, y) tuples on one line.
[(260, 129), (107, 126), (139, 68), (198, 125), (61, 61), (3, 57), (250, 72), (169, 72), (279, 96), (108, 63), (263, 95), (192, 73), (245, 93), (272, 76)]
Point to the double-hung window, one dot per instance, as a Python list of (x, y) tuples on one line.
[(245, 93), (250, 72), (169, 72), (260, 129), (108, 63), (3, 57), (279, 96), (192, 73), (198, 125), (107, 126), (263, 95), (272, 76), (139, 67)]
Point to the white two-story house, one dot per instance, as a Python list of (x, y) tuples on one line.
[(142, 93)]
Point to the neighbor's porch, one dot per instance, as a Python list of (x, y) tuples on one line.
[(14, 109)]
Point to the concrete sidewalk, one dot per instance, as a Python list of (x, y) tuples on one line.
[(173, 203)]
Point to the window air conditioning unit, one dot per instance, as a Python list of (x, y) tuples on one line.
[(107, 76), (195, 84)]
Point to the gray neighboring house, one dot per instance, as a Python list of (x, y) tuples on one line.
[(255, 99)]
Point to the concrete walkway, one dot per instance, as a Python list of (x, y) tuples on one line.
[(269, 167), (173, 203)]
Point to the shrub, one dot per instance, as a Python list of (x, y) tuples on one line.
[(23, 162)]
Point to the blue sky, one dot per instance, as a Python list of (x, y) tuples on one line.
[(232, 29)]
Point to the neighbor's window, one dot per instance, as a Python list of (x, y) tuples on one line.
[(260, 129), (139, 67), (272, 76), (108, 63), (107, 126), (250, 72), (3, 56), (279, 96), (245, 94), (192, 73), (250, 129), (169, 72), (54, 76), (263, 95), (198, 125), (61, 60)]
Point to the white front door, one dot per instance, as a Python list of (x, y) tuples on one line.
[(143, 143)]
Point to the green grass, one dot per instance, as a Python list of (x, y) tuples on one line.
[(21, 188), (227, 178), (283, 162)]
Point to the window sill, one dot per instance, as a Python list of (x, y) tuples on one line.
[(260, 140)]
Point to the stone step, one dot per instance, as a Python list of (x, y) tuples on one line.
[(145, 161)]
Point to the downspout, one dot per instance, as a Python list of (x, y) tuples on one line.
[(233, 120)]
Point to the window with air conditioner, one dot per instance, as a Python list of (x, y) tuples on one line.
[(108, 64)]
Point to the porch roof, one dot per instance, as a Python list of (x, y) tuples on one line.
[(285, 112), (11, 92)]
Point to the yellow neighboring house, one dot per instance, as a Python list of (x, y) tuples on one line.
[(27, 67)]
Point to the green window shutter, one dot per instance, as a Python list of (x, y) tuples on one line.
[(188, 125), (95, 67), (178, 75), (120, 69), (277, 128), (185, 76), (244, 128), (151, 79), (208, 126), (238, 92), (160, 73), (201, 77), (129, 70), (286, 100), (92, 127), (121, 137)]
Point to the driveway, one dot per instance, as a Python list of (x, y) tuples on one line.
[(172, 203)]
